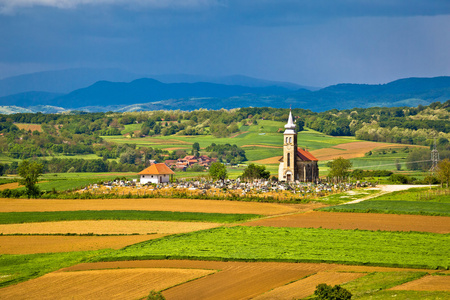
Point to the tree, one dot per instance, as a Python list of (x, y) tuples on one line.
[(443, 171), (218, 171), (326, 292), (339, 168), (195, 148), (299, 125), (30, 173), (255, 172)]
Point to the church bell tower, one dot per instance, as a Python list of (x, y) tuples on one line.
[(289, 168)]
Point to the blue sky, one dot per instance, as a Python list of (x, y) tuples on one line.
[(309, 42)]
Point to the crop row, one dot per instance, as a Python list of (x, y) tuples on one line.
[(49, 216)]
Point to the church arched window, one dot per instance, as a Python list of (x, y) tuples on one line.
[(288, 159), (290, 140)]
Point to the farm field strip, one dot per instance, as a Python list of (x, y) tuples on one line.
[(11, 186), (101, 284), (394, 207), (244, 280), (427, 283), (105, 227), (246, 243), (306, 287), (150, 204), (351, 150), (362, 221), (51, 216), (44, 244)]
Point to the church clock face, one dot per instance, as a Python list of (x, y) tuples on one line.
[(288, 147)]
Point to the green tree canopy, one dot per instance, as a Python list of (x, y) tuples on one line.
[(443, 171), (218, 171), (255, 172), (30, 172), (339, 168), (327, 292)]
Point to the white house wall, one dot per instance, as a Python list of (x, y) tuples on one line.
[(154, 179)]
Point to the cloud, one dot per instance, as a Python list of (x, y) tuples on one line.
[(11, 6)]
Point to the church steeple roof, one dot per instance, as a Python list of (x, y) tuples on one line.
[(290, 126)]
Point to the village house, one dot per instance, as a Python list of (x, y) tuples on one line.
[(188, 161), (156, 173)]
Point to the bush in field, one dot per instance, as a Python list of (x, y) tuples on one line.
[(155, 296), (326, 292), (255, 172)]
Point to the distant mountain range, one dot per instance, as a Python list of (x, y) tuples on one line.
[(189, 94)]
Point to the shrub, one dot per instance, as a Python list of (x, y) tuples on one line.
[(326, 292), (155, 296)]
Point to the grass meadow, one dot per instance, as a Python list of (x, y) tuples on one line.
[(417, 201), (358, 247)]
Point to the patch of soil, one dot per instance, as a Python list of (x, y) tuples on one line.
[(426, 283), (364, 221), (269, 161), (155, 204), (305, 287), (350, 150), (263, 146), (11, 186), (100, 284), (237, 134), (105, 227), (45, 244), (31, 127)]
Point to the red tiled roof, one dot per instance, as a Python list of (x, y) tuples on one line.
[(305, 155), (157, 169)]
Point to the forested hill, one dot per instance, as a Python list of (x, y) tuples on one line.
[(149, 94)]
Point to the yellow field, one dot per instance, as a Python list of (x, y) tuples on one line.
[(155, 204), (105, 227), (247, 280), (100, 284), (42, 244), (31, 127)]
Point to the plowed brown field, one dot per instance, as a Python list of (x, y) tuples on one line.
[(305, 287), (350, 150), (188, 205), (365, 221), (243, 280), (427, 283), (105, 227), (44, 244), (100, 284)]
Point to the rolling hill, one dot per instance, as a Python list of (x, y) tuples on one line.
[(151, 94)]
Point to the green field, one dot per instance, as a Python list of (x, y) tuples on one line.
[(348, 196), (377, 248), (263, 134), (395, 207), (18, 268), (418, 201), (51, 216)]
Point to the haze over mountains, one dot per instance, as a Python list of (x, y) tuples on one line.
[(117, 90)]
